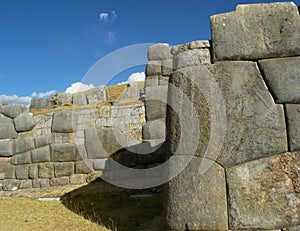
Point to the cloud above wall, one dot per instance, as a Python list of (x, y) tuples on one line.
[(135, 77), (78, 87)]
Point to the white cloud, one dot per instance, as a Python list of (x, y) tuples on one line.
[(135, 77), (78, 87), (25, 100), (108, 18), (104, 17), (43, 94)]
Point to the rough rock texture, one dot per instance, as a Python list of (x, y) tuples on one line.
[(23, 144), (23, 158), (64, 121), (159, 52), (63, 169), (24, 122), (154, 68), (40, 103), (293, 126), (7, 128), (93, 145), (264, 194), (191, 58), (63, 152), (6, 148), (41, 155), (156, 98), (282, 76), (155, 129), (97, 95), (197, 202), (79, 99), (13, 110), (64, 99), (256, 31)]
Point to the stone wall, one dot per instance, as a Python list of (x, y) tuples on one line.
[(244, 171), (55, 143)]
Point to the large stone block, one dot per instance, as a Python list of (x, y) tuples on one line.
[(40, 155), (79, 99), (155, 129), (24, 122), (264, 194), (10, 185), (23, 158), (43, 140), (40, 103), (63, 169), (13, 110), (64, 121), (159, 52), (156, 99), (6, 148), (192, 58), (8, 170), (25, 184), (257, 31), (154, 68), (7, 128), (293, 126), (23, 144), (93, 144), (46, 170), (61, 181), (33, 171), (81, 167), (96, 95), (282, 76), (64, 99), (151, 81), (22, 172), (63, 152), (197, 201), (78, 179)]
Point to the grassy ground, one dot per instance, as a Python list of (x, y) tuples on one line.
[(97, 206)]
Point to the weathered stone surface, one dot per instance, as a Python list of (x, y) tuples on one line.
[(24, 122), (6, 148), (40, 183), (293, 126), (167, 67), (93, 144), (296, 228), (101, 164), (64, 121), (63, 152), (111, 139), (40, 155), (25, 184), (40, 103), (13, 110), (64, 99), (78, 179), (155, 129), (156, 98), (81, 167), (79, 99), (64, 169), (264, 194), (10, 185), (154, 68), (43, 140), (195, 201), (23, 158), (151, 81), (8, 169), (22, 172), (96, 95), (163, 80), (7, 128), (131, 91), (159, 52), (33, 171), (192, 58), (199, 44), (23, 144), (282, 76), (256, 31), (46, 170), (3, 103), (59, 181)]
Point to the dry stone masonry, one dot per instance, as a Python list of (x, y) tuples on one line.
[(244, 172)]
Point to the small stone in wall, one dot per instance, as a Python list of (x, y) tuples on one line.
[(64, 121), (24, 122)]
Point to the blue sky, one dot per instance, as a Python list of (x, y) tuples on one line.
[(46, 45)]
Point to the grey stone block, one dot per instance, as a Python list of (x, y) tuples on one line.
[(163, 80), (22, 172), (8, 170), (23, 144), (43, 140), (197, 201), (96, 95), (23, 158), (199, 44), (264, 194), (81, 167), (63, 152), (25, 184), (282, 76), (151, 81), (13, 110), (79, 99), (293, 126), (33, 171), (93, 144), (64, 99), (40, 103), (64, 121), (131, 91), (192, 58), (59, 181), (167, 67), (40, 183), (63, 169), (46, 170), (6, 148), (10, 185), (155, 129), (24, 122), (159, 52), (156, 99), (40, 155), (7, 128), (154, 68), (101, 164), (78, 179), (256, 31)]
